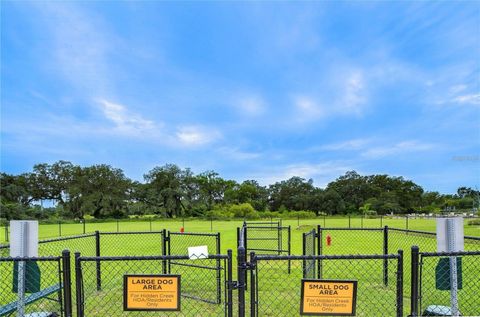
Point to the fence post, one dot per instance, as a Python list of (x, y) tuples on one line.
[(164, 250), (289, 249), (78, 284), (385, 252), (117, 226), (414, 281), (6, 232), (381, 220), (230, 284), (59, 228), (319, 248), (253, 297), (211, 224), (304, 262), (97, 254), (67, 283), (241, 280), (400, 284), (298, 221), (84, 224), (219, 274), (406, 222)]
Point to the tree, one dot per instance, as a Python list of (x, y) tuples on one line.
[(165, 189), (295, 193)]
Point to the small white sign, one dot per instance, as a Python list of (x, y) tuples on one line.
[(23, 238), (200, 252), (442, 232)]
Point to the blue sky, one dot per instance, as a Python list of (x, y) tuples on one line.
[(252, 90)]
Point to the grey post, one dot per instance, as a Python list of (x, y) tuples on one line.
[(453, 267)]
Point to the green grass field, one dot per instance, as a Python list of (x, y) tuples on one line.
[(278, 293)]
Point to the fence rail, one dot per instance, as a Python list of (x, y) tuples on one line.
[(198, 293)]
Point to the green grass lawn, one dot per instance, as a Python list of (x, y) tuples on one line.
[(278, 293)]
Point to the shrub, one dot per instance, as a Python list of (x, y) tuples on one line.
[(474, 222), (243, 211)]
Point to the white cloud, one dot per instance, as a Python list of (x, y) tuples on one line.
[(473, 99), (354, 97), (251, 105), (308, 109), (321, 173), (196, 135), (124, 120), (398, 148)]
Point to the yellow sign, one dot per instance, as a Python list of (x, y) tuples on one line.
[(151, 292), (328, 297)]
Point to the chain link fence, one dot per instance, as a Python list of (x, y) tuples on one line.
[(266, 238), (196, 287), (129, 243), (34, 286), (178, 244), (309, 242), (274, 292), (445, 284)]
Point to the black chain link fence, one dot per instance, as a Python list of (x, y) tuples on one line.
[(438, 289), (178, 244), (277, 293), (266, 238), (31, 286), (129, 243), (196, 285), (309, 241)]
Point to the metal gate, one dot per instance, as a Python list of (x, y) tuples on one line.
[(273, 292), (195, 288), (177, 244)]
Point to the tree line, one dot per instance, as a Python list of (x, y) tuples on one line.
[(102, 191)]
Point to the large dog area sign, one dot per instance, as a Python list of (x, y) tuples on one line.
[(151, 292), (328, 297)]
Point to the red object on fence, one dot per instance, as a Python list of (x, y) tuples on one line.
[(329, 240), (182, 230)]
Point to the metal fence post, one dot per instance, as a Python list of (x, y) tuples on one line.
[(84, 224), (414, 281), (400, 284), (97, 254), (78, 285), (381, 220), (6, 232), (219, 273), (385, 252), (253, 298), (304, 262), (241, 280), (319, 249), (118, 226), (289, 249), (164, 250), (67, 283), (59, 228), (406, 222), (229, 284)]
